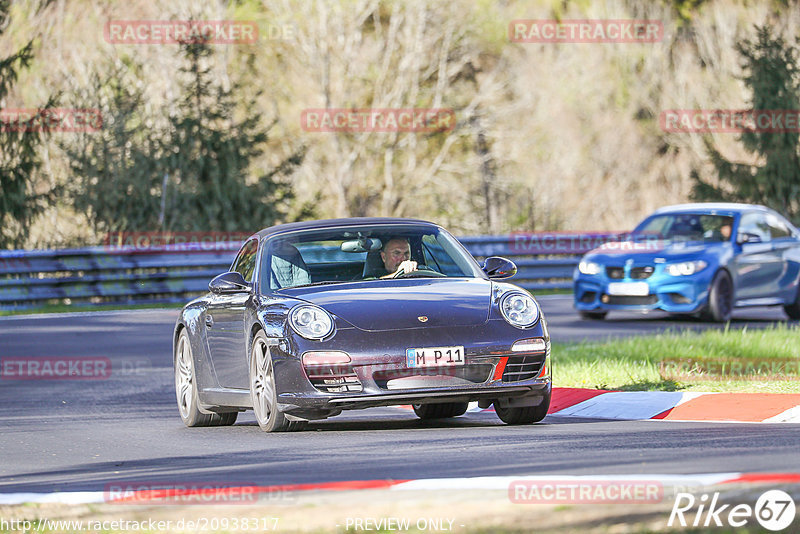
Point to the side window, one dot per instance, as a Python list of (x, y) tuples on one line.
[(777, 227), (245, 262), (755, 223)]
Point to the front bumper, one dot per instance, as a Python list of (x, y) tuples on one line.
[(673, 294), (378, 375)]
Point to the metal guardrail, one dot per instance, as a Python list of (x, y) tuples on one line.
[(126, 275)]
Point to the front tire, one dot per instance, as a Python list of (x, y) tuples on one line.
[(524, 415), (186, 389), (720, 298), (593, 315), (263, 390), (440, 411), (793, 309)]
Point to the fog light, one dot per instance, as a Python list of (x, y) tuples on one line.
[(333, 357), (604, 299), (534, 344)]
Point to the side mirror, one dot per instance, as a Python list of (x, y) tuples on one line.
[(747, 237), (230, 282), (498, 268)]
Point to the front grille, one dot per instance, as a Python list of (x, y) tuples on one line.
[(677, 298), (523, 367), (640, 273), (334, 378), (475, 373), (629, 300), (615, 272)]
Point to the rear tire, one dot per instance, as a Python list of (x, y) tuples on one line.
[(594, 316), (263, 390), (186, 389), (720, 298), (524, 415), (440, 411)]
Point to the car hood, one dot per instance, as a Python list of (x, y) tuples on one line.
[(647, 252), (400, 304)]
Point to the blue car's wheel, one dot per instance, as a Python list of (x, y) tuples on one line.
[(793, 309), (593, 315), (720, 298)]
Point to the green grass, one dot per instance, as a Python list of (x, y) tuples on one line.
[(746, 360), (62, 308)]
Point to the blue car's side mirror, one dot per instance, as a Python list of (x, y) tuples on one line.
[(231, 282), (747, 237), (498, 268)]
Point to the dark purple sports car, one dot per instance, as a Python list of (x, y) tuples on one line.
[(318, 317)]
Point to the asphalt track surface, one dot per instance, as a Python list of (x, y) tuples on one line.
[(63, 435)]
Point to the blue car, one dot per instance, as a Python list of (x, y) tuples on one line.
[(700, 259)]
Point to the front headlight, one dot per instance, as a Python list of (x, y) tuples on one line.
[(686, 268), (589, 267), (311, 322), (519, 310)]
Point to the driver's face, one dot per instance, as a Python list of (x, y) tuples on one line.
[(394, 253)]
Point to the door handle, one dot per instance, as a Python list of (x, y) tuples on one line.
[(209, 321)]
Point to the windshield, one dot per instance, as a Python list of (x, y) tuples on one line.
[(357, 253), (686, 227)]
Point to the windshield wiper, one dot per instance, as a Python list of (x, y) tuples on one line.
[(321, 283)]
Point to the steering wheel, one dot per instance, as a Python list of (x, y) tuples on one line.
[(423, 271)]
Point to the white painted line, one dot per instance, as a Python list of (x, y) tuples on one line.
[(66, 497), (792, 415), (502, 483), (629, 405)]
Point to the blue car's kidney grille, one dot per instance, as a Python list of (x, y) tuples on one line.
[(615, 272), (334, 378), (522, 367), (640, 273)]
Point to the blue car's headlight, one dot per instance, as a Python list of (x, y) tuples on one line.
[(519, 310), (311, 322), (589, 267), (686, 268)]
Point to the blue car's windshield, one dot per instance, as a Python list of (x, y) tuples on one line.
[(685, 227), (355, 253)]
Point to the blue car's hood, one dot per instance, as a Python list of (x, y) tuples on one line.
[(398, 304), (647, 252)]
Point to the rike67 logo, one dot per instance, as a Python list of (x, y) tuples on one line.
[(774, 510)]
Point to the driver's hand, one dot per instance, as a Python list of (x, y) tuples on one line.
[(405, 267)]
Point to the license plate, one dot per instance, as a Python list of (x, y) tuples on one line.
[(435, 357), (629, 289)]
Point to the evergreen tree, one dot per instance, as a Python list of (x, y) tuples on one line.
[(771, 66), (211, 156), (19, 161), (116, 175)]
